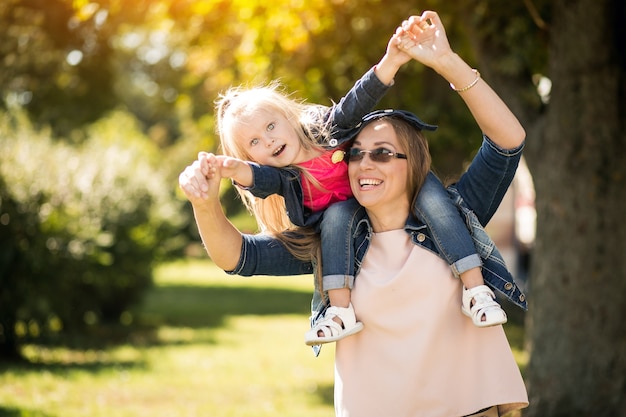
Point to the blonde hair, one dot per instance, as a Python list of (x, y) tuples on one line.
[(237, 105)]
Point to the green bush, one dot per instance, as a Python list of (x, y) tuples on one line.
[(80, 227)]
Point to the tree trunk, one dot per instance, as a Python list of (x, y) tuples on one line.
[(576, 325), (9, 351)]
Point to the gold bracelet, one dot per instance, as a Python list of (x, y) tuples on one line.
[(470, 85)]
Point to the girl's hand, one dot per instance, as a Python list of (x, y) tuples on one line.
[(232, 167), (395, 53), (393, 59)]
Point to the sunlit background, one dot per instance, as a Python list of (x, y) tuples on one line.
[(103, 103)]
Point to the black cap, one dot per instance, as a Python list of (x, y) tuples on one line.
[(400, 114)]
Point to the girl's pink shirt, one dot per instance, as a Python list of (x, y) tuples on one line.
[(333, 183)]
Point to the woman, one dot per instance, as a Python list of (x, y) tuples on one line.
[(415, 356), (431, 361)]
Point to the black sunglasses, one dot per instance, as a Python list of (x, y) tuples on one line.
[(377, 155)]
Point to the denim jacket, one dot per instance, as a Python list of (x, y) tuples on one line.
[(478, 193), (344, 116)]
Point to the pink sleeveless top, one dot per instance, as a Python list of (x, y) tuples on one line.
[(332, 178)]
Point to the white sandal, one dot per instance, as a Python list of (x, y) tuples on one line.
[(484, 306), (332, 330)]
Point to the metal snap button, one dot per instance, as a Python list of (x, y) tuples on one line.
[(421, 237)]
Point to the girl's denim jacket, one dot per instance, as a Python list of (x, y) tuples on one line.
[(478, 193)]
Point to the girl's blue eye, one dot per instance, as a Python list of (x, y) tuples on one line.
[(271, 126), (254, 141)]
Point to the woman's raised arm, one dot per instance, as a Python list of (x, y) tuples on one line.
[(425, 40)]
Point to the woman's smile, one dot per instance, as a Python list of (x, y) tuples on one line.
[(369, 183)]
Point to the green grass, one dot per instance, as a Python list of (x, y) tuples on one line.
[(202, 344)]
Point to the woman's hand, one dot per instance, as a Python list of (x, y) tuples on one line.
[(424, 39), (200, 181)]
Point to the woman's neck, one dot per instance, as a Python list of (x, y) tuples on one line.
[(387, 220)]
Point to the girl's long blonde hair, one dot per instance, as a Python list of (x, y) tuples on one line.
[(233, 109)]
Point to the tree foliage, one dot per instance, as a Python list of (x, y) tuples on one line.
[(80, 227), (165, 61), (41, 43)]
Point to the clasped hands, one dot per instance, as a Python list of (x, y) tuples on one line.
[(423, 38), (201, 179)]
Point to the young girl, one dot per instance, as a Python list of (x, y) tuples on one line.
[(298, 152)]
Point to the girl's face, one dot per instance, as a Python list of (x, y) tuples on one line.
[(380, 187), (269, 139)]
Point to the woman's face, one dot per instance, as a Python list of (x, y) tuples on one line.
[(380, 187)]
